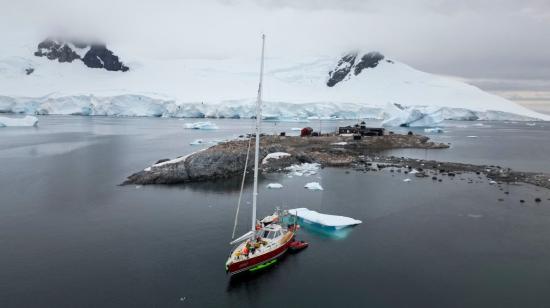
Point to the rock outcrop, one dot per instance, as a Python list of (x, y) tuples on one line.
[(92, 55)]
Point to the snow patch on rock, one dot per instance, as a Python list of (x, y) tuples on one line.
[(275, 155)]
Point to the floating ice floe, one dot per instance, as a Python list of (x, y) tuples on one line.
[(340, 143), (472, 137), (334, 221), (406, 180), (275, 155), (434, 130), (25, 121), (313, 186), (531, 124), (197, 142), (305, 169), (274, 186), (492, 182), (476, 216), (201, 125), (414, 171)]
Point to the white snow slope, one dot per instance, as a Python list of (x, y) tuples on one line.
[(294, 88)]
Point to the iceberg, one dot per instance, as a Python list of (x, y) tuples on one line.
[(201, 125), (313, 186), (397, 115), (275, 155), (274, 186), (327, 220), (25, 121)]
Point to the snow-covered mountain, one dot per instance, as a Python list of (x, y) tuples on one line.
[(41, 80)]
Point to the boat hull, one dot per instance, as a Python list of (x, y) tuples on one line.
[(237, 267)]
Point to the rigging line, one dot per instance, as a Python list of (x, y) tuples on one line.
[(242, 187)]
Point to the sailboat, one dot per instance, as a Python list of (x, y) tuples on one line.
[(268, 239)]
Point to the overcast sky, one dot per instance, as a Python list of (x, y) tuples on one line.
[(502, 46)]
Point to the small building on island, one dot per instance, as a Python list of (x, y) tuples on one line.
[(361, 129)]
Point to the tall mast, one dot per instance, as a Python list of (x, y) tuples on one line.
[(257, 147)]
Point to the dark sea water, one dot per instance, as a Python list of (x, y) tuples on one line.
[(70, 237)]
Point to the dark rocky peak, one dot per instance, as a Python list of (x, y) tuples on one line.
[(369, 60), (56, 50), (342, 69), (100, 57), (351, 62), (92, 55)]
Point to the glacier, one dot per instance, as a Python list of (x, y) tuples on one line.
[(295, 90)]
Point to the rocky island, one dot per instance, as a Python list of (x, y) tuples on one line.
[(227, 159)]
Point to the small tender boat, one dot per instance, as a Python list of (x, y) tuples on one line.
[(295, 246)]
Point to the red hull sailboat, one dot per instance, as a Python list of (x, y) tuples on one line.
[(267, 240)]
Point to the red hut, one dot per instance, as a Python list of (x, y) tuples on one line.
[(306, 131)]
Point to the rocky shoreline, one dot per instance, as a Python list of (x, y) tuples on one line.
[(226, 160)]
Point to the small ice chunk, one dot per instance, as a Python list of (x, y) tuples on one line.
[(339, 143), (406, 180), (413, 171), (492, 182), (434, 130), (471, 137), (275, 155), (531, 124), (201, 125), (324, 219), (28, 121), (305, 169), (197, 142), (313, 186), (475, 215), (274, 186)]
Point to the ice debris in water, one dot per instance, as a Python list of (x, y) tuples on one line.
[(274, 186), (406, 180), (313, 186), (339, 143), (197, 142), (324, 219), (25, 121), (471, 137), (305, 169), (201, 125), (434, 130), (275, 155), (414, 171)]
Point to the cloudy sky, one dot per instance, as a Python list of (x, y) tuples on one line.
[(501, 46)]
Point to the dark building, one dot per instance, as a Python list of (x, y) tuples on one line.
[(361, 129)]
